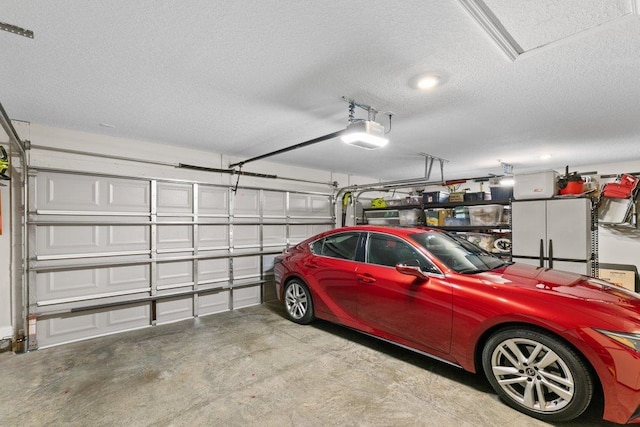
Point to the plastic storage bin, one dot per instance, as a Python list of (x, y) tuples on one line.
[(410, 217), (485, 214), (541, 185), (435, 197), (501, 193), (472, 197), (455, 222)]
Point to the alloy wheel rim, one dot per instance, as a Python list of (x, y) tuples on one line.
[(296, 300), (533, 375)]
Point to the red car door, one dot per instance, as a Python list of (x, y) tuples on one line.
[(400, 306), (330, 269)]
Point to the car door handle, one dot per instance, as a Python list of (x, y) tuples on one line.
[(365, 278)]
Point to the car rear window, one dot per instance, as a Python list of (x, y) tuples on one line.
[(341, 245)]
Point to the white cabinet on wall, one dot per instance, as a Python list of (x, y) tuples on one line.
[(554, 233)]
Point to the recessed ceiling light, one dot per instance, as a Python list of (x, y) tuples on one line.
[(545, 157), (427, 82)]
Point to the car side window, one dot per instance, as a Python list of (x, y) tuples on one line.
[(389, 251), (341, 245)]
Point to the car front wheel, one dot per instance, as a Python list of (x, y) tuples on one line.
[(538, 374), (297, 302)]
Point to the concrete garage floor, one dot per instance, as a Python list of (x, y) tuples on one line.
[(246, 367)]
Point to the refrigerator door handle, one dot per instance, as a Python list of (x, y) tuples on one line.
[(550, 253), (541, 253)]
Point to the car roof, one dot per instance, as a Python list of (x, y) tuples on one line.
[(397, 231)]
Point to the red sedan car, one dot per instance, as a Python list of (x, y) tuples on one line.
[(547, 340)]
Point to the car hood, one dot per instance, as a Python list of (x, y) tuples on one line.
[(570, 287)]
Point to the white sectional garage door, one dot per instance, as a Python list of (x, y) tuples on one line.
[(111, 254)]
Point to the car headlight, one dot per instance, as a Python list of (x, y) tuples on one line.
[(627, 339)]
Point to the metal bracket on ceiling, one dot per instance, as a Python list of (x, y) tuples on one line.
[(507, 169), (428, 165), (371, 112), (16, 30)]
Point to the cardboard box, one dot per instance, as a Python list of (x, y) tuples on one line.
[(432, 217), (625, 279), (443, 214), (456, 197)]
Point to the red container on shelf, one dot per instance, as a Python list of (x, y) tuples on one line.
[(573, 187)]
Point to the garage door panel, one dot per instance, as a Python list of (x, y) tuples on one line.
[(246, 236), (62, 192), (275, 204), (128, 277), (86, 283), (268, 262), (299, 204), (213, 270), (215, 302), (298, 233), (245, 297), (128, 236), (173, 273), (213, 236), (246, 267), (175, 198), (171, 310), (59, 330), (65, 192), (55, 239), (175, 237), (135, 316), (128, 196), (317, 229), (63, 284), (274, 235), (73, 326), (246, 204), (213, 200), (91, 239), (309, 205), (321, 206)]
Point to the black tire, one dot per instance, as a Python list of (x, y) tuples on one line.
[(537, 374), (297, 302)]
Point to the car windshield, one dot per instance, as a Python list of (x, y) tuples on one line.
[(457, 253)]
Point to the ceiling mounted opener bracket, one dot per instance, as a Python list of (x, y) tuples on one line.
[(428, 165)]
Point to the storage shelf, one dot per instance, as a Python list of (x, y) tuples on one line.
[(447, 205), (444, 205), (501, 227)]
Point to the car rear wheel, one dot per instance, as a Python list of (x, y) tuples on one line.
[(537, 374), (297, 302)]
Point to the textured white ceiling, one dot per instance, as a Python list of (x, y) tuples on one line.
[(244, 78)]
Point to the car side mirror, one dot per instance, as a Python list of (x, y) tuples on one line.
[(412, 270)]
